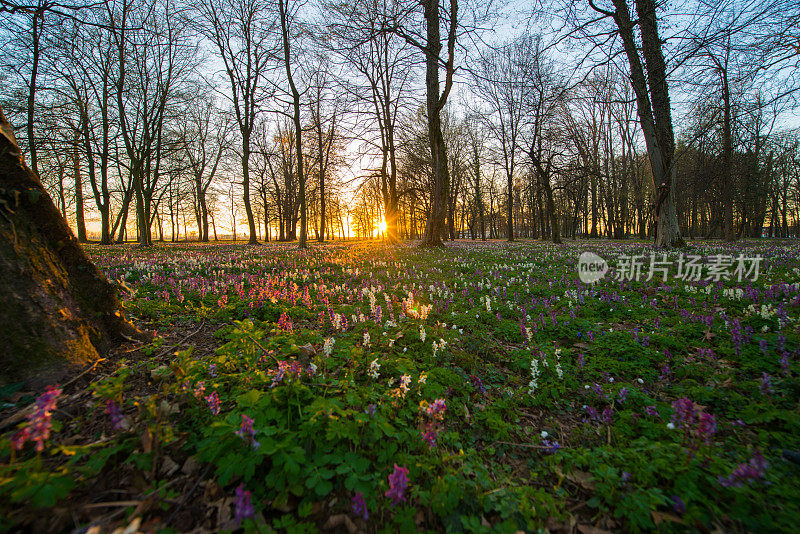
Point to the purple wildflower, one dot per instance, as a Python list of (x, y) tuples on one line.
[(213, 403), (678, 505), (436, 409), (247, 433), (651, 411), (360, 506), (477, 383), (114, 413), (685, 413), (608, 415), (623, 394), (756, 468), (766, 385), (785, 363), (242, 507), (707, 426), (285, 324), (398, 481), (39, 422)]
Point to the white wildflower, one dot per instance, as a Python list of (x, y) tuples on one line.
[(327, 349), (374, 367)]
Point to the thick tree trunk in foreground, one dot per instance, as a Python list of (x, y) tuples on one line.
[(56, 307)]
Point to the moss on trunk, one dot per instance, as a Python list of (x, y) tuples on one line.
[(57, 309)]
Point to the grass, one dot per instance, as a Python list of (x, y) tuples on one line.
[(626, 405)]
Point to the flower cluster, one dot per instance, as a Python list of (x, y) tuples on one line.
[(697, 426), (435, 414), (242, 508), (200, 389), (213, 402), (755, 469), (360, 506), (291, 368), (247, 433), (400, 391), (374, 369), (285, 324), (327, 348), (535, 372), (398, 482), (437, 346), (114, 413), (39, 422)]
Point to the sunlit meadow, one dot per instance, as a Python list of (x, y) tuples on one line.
[(483, 387)]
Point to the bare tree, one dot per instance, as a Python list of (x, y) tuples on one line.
[(241, 32)]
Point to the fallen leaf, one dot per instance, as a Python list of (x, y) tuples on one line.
[(662, 517), (589, 529), (340, 520)]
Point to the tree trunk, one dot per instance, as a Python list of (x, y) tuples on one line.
[(653, 108), (434, 104), (57, 309)]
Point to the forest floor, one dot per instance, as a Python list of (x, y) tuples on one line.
[(483, 387)]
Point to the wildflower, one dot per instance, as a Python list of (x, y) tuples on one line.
[(685, 413), (213, 403), (430, 434), (360, 506), (242, 507), (756, 468), (199, 389), (114, 413), (422, 333), (423, 377), (367, 342), (766, 385), (285, 324), (785, 364), (477, 383), (39, 421), (436, 409), (707, 426), (623, 394), (212, 370), (608, 415), (247, 433), (374, 367), (398, 482), (544, 434), (651, 410), (671, 426), (678, 505), (552, 446), (327, 348), (534, 383), (370, 410), (405, 381)]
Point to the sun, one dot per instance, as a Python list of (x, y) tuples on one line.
[(382, 226)]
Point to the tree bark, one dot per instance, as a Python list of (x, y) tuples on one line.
[(57, 309), (653, 108)]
